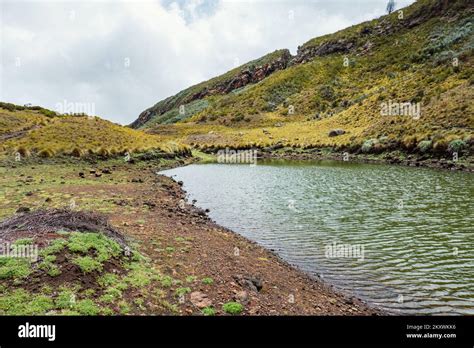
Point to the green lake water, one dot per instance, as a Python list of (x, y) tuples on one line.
[(400, 238)]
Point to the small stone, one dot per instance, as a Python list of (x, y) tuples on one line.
[(200, 299), (242, 297)]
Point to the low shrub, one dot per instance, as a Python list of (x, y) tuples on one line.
[(76, 152), (46, 153), (456, 145), (233, 308), (425, 146), (368, 145)]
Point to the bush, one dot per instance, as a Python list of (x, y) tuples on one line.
[(46, 153), (77, 152), (208, 311), (440, 146), (425, 146), (24, 152), (104, 152), (233, 308), (368, 145), (409, 142), (207, 281), (456, 145)]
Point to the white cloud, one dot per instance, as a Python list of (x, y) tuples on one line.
[(78, 51)]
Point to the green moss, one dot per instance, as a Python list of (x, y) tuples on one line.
[(49, 267), (88, 292), (66, 298), (21, 302), (191, 279), (14, 267), (87, 264), (232, 308), (167, 281), (23, 241), (124, 307), (207, 281), (46, 290), (111, 295), (54, 247), (139, 275), (182, 291), (107, 311), (87, 307), (107, 279), (104, 247), (208, 311)]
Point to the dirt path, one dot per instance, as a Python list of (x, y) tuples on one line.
[(17, 134)]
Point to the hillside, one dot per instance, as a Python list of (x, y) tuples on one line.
[(35, 131), (417, 64)]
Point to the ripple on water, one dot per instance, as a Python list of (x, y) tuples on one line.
[(415, 226)]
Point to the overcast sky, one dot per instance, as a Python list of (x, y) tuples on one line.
[(117, 58)]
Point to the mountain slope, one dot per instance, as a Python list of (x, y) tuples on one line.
[(345, 80), (40, 132)]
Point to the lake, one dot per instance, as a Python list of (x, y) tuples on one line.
[(400, 238)]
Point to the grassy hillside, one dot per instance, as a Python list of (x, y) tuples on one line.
[(43, 133), (343, 80)]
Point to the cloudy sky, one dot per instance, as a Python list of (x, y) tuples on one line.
[(119, 57)]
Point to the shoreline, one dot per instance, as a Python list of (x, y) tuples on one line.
[(463, 164), (181, 241)]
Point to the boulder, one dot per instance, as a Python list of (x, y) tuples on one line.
[(336, 132)]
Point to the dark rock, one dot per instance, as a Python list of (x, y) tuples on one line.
[(336, 132), (252, 283), (150, 204), (23, 210)]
